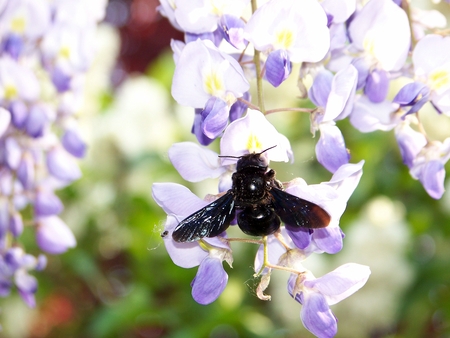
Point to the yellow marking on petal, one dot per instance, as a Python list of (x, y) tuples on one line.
[(440, 79), (10, 92), (64, 52), (216, 7), (213, 84), (253, 144), (284, 38), (369, 44), (18, 25)]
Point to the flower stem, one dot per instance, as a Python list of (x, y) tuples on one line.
[(302, 110), (257, 61)]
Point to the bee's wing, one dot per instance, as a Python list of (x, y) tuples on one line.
[(209, 221), (298, 212)]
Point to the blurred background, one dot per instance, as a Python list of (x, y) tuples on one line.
[(120, 282)]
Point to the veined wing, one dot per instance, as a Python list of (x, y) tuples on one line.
[(298, 212), (209, 221)]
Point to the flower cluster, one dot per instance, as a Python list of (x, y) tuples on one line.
[(351, 57), (45, 50)]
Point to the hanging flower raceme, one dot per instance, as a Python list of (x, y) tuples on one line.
[(39, 137)]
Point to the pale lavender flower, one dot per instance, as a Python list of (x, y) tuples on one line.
[(317, 294), (381, 36), (62, 166), (368, 116), (410, 142), (288, 31), (204, 15), (428, 167), (209, 79), (53, 235), (298, 27), (432, 76)]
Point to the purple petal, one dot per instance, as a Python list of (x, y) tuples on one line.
[(321, 88), (377, 85), (216, 37), (232, 29), (46, 203), (13, 45), (368, 116), (278, 67), (41, 262), (238, 108), (19, 112), (215, 117), (73, 143), (330, 150), (414, 94), (342, 95), (317, 316), (300, 237), (28, 298), (341, 282), (16, 224), (410, 143), (5, 286), (54, 236), (25, 171), (4, 218), (62, 166), (432, 178), (36, 121), (5, 120), (210, 281), (25, 282), (60, 79), (328, 239), (363, 68), (197, 129), (195, 163)]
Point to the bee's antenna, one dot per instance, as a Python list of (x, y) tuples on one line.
[(222, 156), (229, 156), (267, 149)]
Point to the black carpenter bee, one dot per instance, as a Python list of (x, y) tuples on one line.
[(258, 200)]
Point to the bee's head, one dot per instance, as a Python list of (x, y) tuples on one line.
[(255, 161)]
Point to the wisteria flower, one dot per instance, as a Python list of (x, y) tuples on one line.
[(204, 15), (432, 76), (288, 31), (368, 116), (317, 294), (334, 97), (209, 79), (380, 33), (428, 167)]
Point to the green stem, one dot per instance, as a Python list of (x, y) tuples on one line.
[(257, 61), (407, 8)]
